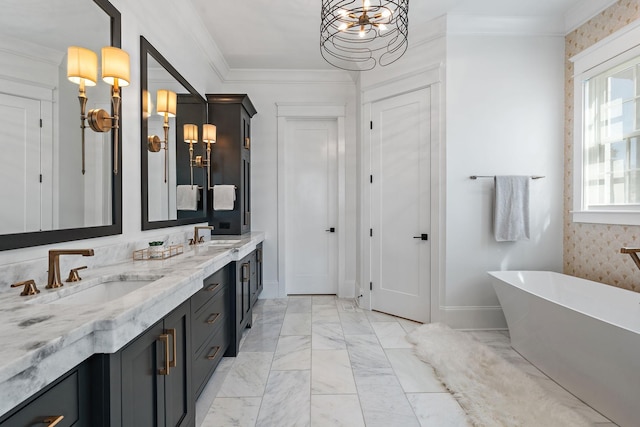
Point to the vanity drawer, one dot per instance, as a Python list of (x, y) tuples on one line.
[(207, 359), (63, 399), (209, 319), (212, 286)]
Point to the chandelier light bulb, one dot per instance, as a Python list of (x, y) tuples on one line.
[(366, 4), (386, 13), (361, 32), (382, 27), (343, 26)]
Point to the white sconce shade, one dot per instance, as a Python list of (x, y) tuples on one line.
[(115, 66), (209, 133), (82, 66), (190, 133), (166, 102)]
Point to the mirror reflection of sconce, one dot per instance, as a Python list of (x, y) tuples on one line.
[(82, 69), (166, 104), (208, 137)]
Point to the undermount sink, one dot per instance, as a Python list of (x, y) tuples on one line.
[(96, 291)]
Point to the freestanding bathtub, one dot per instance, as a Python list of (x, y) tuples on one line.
[(584, 335)]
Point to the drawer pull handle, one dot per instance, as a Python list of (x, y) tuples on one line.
[(212, 319), (173, 362), (54, 420), (215, 353), (165, 370), (213, 287)]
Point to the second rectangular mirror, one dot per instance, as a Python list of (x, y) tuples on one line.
[(174, 188)]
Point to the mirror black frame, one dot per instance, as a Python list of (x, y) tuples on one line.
[(147, 48), (38, 238)]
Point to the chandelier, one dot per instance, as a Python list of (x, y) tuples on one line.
[(356, 35)]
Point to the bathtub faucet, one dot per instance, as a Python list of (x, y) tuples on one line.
[(633, 252)]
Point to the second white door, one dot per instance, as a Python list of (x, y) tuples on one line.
[(400, 205), (311, 195)]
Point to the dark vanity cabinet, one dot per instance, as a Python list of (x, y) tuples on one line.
[(231, 160), (248, 285), (211, 326), (148, 382)]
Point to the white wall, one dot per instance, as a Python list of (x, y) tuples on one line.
[(264, 156), (504, 112)]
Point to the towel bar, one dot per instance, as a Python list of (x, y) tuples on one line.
[(493, 176)]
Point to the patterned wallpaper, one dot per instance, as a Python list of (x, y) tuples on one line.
[(592, 251)]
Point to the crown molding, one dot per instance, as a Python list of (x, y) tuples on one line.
[(583, 11), (290, 76), (505, 25)]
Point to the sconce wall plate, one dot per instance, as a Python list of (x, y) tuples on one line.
[(154, 143)]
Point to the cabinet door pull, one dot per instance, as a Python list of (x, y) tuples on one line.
[(215, 353), (165, 370), (245, 274), (173, 333), (53, 420), (212, 319), (212, 287), (259, 255)]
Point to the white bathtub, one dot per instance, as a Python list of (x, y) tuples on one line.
[(583, 334)]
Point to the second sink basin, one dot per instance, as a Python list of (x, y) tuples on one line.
[(98, 291)]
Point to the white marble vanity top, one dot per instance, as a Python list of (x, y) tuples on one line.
[(39, 341)]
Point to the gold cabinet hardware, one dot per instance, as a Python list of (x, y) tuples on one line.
[(165, 339), (215, 353), (212, 319), (245, 272), (173, 362), (247, 143), (73, 274), (53, 421), (247, 217), (30, 287), (259, 255), (212, 287)]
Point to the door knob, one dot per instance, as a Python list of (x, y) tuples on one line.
[(422, 237), (331, 230)]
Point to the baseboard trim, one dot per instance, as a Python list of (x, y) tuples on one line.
[(474, 318), (270, 290)]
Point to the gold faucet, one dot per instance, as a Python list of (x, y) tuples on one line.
[(199, 239), (53, 280), (633, 252)]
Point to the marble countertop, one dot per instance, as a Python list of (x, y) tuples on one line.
[(39, 342)]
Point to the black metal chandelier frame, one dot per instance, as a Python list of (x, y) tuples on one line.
[(356, 35)]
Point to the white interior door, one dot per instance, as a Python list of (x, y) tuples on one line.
[(20, 139), (311, 185), (400, 205)]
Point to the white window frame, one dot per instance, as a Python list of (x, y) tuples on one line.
[(620, 47)]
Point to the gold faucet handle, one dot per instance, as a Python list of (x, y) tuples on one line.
[(201, 239), (30, 287), (192, 242), (73, 274)]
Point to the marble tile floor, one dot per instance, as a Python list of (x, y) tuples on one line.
[(322, 361)]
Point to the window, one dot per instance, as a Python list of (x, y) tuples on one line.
[(611, 137), (607, 133)]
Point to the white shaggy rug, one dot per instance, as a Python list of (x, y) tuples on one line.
[(492, 391)]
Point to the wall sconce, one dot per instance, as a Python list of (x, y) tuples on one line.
[(208, 137), (82, 69), (166, 105)]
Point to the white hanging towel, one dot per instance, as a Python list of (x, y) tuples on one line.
[(224, 197), (511, 213), (187, 197)]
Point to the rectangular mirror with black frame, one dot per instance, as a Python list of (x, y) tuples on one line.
[(49, 193), (174, 184)]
